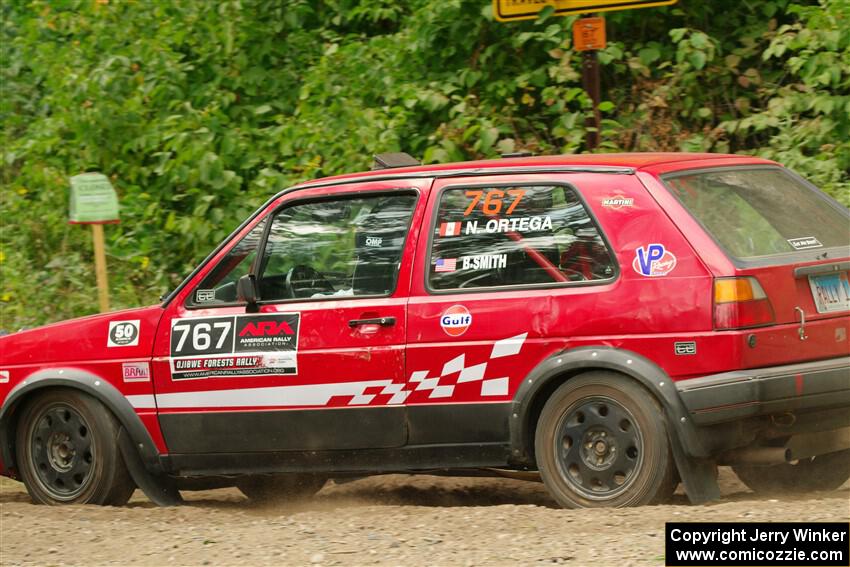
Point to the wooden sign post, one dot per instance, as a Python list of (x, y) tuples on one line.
[(588, 37), (94, 202), (100, 267)]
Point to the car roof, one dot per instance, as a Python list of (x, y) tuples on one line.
[(612, 163)]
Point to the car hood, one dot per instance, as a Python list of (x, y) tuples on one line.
[(82, 339)]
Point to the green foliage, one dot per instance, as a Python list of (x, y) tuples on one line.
[(200, 110)]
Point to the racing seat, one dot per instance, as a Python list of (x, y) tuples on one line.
[(378, 245)]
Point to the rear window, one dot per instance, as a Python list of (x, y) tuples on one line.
[(490, 237), (755, 213)]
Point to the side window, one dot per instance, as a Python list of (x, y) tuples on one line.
[(508, 236), (219, 286), (336, 248)]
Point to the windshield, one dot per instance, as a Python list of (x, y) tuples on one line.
[(761, 212)]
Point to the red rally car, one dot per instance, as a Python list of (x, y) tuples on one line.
[(619, 323)]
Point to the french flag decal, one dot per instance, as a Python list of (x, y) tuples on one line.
[(449, 228)]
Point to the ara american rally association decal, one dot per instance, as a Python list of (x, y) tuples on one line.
[(239, 345)]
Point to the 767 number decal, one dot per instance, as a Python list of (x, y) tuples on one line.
[(494, 199)]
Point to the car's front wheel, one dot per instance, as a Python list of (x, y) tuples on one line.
[(67, 451), (284, 488), (601, 441), (821, 473)]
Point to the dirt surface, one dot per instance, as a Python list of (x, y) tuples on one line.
[(388, 520)]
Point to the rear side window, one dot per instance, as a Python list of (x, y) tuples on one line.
[(755, 213), (491, 237)]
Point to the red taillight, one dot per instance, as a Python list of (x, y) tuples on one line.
[(740, 303)]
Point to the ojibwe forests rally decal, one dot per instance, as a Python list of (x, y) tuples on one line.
[(239, 345)]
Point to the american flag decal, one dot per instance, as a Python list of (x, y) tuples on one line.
[(449, 228), (445, 265)]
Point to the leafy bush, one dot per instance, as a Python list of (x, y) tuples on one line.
[(200, 110)]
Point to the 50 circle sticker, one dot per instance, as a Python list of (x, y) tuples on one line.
[(123, 333)]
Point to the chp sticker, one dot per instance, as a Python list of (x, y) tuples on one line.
[(653, 261), (4, 376), (455, 320), (123, 333), (136, 371)]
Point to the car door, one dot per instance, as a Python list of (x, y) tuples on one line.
[(513, 266), (319, 363), (516, 268)]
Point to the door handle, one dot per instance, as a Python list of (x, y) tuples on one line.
[(382, 321)]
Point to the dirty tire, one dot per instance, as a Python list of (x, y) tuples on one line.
[(67, 451), (821, 473), (601, 441), (280, 489)]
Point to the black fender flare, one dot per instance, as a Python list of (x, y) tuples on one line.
[(92, 385), (690, 452)]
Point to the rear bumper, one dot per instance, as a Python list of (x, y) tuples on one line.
[(794, 388)]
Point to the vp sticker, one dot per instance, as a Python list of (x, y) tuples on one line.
[(653, 261), (123, 333)]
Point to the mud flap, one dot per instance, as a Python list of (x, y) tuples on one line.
[(699, 476), (161, 490)]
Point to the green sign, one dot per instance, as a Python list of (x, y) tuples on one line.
[(93, 199)]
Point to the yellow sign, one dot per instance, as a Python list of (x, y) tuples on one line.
[(510, 10)]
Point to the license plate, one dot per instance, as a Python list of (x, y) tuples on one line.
[(831, 292)]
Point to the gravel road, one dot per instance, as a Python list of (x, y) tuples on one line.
[(388, 520)]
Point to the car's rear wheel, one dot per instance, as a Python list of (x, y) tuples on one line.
[(283, 488), (601, 441), (67, 451), (821, 473)]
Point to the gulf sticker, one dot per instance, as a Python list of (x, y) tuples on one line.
[(653, 261), (455, 320)]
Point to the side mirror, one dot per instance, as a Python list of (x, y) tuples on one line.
[(246, 290)]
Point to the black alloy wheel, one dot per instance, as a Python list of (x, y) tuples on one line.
[(599, 448), (67, 451), (601, 441)]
